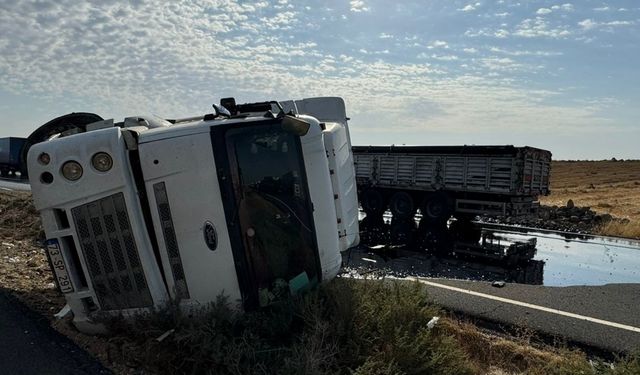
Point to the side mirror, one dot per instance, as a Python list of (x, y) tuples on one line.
[(221, 111), (295, 125)]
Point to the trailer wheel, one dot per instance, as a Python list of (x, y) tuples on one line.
[(463, 229), (372, 202), (401, 205), (402, 232), (436, 207), (434, 237), (373, 231)]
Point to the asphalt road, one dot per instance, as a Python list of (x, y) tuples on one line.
[(28, 345), (605, 317)]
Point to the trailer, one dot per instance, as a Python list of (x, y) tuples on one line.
[(446, 181), (10, 156)]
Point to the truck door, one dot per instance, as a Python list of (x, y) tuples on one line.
[(267, 205)]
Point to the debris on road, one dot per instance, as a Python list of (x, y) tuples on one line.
[(498, 284)]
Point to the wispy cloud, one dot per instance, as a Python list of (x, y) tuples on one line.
[(469, 7), (358, 6), (438, 44), (494, 65)]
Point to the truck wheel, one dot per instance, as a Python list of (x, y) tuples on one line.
[(434, 237), (372, 202), (402, 232), (436, 207), (464, 230), (401, 205), (373, 230)]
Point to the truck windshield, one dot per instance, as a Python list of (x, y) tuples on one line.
[(273, 209)]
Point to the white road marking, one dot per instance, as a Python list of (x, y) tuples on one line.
[(528, 305)]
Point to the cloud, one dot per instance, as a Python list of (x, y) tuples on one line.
[(174, 59), (444, 57), (524, 52), (499, 33), (469, 7), (565, 7), (358, 6), (543, 11), (539, 27), (601, 9), (589, 24), (438, 44)]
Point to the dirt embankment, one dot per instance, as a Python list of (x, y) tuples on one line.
[(24, 269)]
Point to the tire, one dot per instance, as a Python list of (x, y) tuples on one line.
[(402, 232), (434, 237), (437, 207), (372, 202), (401, 205), (373, 230), (464, 230)]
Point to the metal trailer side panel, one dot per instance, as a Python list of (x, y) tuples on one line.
[(535, 170), (487, 174), (525, 171)]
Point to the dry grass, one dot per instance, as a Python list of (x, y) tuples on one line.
[(611, 187)]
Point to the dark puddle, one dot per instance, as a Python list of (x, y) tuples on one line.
[(557, 261)]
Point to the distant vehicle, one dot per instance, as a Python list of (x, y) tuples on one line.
[(254, 201), (10, 153), (445, 181)]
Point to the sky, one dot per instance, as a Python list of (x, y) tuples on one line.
[(563, 76)]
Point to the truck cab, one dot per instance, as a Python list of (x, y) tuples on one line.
[(250, 202)]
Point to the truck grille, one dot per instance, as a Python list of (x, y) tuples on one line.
[(111, 255), (170, 240)]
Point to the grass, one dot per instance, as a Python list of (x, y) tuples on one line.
[(363, 327), (611, 187)]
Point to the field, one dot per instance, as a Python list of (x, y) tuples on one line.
[(347, 326), (611, 187)]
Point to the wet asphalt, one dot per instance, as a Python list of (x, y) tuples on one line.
[(28, 345)]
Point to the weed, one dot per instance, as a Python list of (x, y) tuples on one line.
[(362, 327), (629, 229)]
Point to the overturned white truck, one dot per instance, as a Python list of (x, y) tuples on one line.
[(254, 201)]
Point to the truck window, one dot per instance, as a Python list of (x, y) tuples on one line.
[(273, 209)]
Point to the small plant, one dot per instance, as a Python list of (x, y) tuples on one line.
[(344, 327)]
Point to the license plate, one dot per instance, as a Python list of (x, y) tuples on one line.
[(59, 269)]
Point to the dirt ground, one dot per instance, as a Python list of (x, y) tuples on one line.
[(611, 187)]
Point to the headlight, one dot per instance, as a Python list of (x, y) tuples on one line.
[(72, 170), (102, 161), (44, 158)]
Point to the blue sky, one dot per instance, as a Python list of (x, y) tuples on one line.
[(558, 75)]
